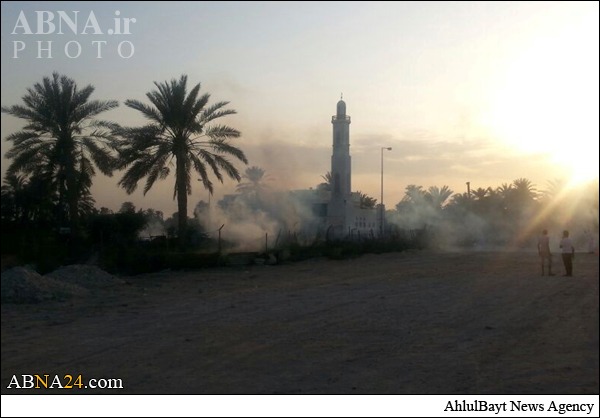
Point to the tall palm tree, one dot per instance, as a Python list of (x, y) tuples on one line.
[(178, 130), (62, 140)]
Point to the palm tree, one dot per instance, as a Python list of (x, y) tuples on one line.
[(62, 139), (179, 130), (327, 184), (438, 197), (461, 201), (13, 197), (555, 189), (366, 201), (524, 190), (256, 177), (480, 193), (414, 194), (504, 190), (522, 199), (483, 201), (410, 208)]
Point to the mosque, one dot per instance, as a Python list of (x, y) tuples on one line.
[(344, 213), (331, 208), (338, 208)]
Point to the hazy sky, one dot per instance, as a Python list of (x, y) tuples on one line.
[(485, 92)]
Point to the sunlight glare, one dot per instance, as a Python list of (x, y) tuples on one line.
[(548, 102)]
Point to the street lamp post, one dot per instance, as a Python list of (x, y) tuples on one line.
[(381, 202)]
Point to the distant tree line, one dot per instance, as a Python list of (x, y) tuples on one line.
[(512, 213), (46, 193)]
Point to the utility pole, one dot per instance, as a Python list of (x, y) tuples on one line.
[(381, 226)]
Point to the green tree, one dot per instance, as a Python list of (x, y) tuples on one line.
[(179, 129), (62, 140)]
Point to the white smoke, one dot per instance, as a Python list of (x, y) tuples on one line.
[(258, 223)]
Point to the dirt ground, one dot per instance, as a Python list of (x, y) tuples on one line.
[(417, 322)]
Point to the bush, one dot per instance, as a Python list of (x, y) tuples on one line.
[(38, 246), (139, 259), (341, 249)]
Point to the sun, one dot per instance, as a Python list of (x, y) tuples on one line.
[(546, 102)]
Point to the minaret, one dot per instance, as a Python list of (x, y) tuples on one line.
[(340, 169)]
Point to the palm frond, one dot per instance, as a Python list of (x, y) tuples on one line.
[(102, 157), (158, 171), (221, 132), (209, 159), (229, 168), (148, 111), (223, 147), (213, 112), (201, 170)]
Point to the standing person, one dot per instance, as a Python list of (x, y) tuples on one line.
[(543, 247), (568, 253)]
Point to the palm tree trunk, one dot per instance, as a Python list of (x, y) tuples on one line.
[(72, 194), (182, 200), (75, 244)]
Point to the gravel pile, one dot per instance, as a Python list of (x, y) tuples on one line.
[(90, 277), (22, 285)]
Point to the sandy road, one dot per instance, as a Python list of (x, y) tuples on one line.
[(398, 323)]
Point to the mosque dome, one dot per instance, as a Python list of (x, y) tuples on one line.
[(341, 108)]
